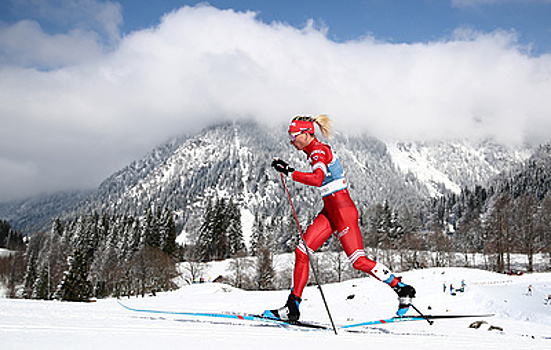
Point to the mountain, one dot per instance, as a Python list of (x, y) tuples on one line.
[(532, 177), (36, 213), (455, 164), (233, 159)]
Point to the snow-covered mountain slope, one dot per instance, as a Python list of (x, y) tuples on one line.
[(233, 159), (455, 164)]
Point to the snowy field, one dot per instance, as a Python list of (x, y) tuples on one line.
[(525, 319)]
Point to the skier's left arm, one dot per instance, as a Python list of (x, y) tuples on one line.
[(319, 160)]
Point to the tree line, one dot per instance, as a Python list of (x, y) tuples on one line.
[(10, 238), (94, 256), (120, 255)]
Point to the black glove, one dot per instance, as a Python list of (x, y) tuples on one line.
[(281, 166)]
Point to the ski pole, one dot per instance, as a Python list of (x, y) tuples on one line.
[(308, 254), (421, 314)]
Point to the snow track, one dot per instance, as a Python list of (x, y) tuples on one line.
[(526, 321)]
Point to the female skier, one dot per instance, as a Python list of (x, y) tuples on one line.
[(339, 215)]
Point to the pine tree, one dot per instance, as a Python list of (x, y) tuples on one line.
[(287, 233), (75, 285), (10, 238), (220, 239), (235, 230), (168, 233), (205, 244), (265, 272), (220, 234), (30, 276), (258, 237), (134, 236), (150, 231), (43, 286), (57, 227)]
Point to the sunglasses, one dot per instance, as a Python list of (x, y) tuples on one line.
[(293, 136)]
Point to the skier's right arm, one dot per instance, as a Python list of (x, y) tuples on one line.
[(314, 178)]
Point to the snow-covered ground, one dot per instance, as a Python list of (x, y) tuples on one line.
[(525, 319)]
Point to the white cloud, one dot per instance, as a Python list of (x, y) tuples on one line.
[(89, 116), (103, 17), (26, 45)]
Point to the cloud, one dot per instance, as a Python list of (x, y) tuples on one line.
[(103, 17), (38, 49), (73, 124), (476, 3), (45, 42)]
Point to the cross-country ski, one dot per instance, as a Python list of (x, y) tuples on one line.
[(311, 325), (230, 316), (410, 318)]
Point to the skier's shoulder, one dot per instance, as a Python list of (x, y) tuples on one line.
[(321, 152)]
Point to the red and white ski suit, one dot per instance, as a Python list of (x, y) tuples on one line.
[(339, 215)]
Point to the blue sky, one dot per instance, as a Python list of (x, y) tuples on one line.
[(86, 86), (407, 21)]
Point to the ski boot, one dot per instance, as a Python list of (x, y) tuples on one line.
[(289, 312), (405, 294)]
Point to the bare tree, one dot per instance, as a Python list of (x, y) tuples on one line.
[(526, 209), (241, 266), (498, 228)]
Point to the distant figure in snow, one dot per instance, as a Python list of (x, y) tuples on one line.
[(529, 291), (339, 215), (462, 288)]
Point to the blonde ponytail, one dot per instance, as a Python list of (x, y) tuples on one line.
[(324, 123)]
